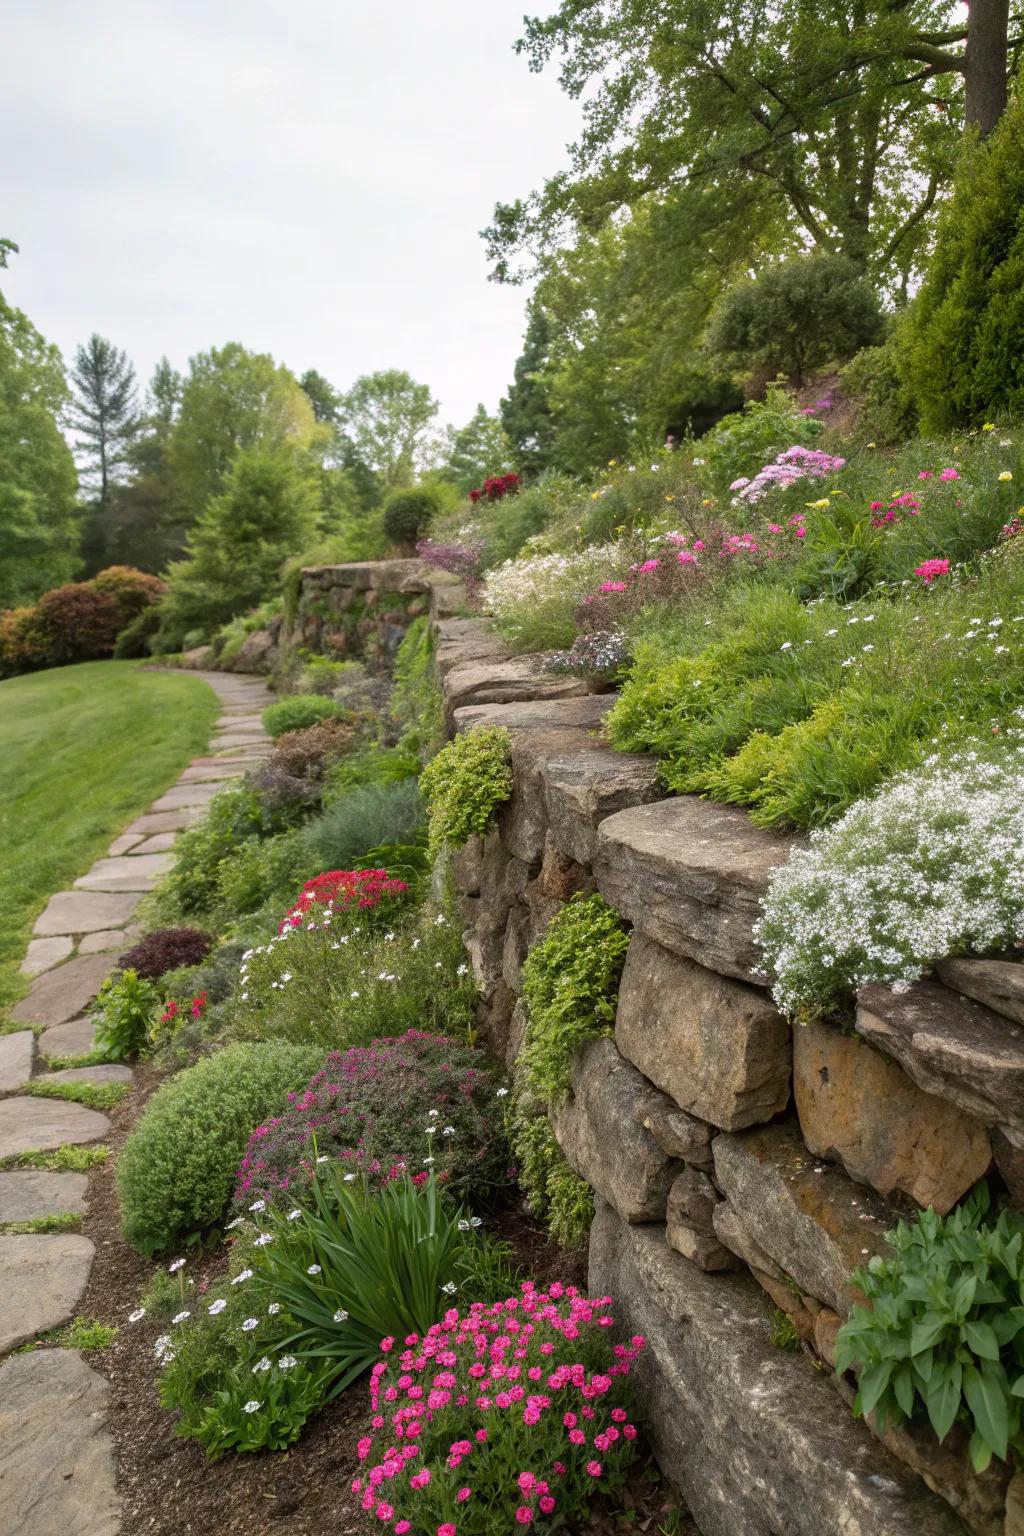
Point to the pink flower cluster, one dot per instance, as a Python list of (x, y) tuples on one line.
[(338, 889), (929, 569), (791, 465), (505, 1415)]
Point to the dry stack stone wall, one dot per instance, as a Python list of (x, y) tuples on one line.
[(738, 1165)]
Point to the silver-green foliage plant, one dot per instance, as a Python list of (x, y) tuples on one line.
[(465, 783), (927, 868), (944, 1336)]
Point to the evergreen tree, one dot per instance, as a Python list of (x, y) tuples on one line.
[(962, 344), (103, 412), (525, 411), (142, 527)]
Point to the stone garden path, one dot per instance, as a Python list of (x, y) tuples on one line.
[(56, 1465)]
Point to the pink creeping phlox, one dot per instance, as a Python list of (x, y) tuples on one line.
[(493, 1418)]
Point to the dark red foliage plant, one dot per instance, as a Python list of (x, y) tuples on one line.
[(165, 950)]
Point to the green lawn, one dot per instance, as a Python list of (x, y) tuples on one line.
[(83, 750)]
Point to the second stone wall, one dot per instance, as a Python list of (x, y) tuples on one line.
[(741, 1168)]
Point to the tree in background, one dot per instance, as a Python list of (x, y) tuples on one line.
[(39, 520), (796, 316), (323, 397), (236, 547), (961, 348), (525, 412), (386, 417), (104, 413), (848, 116), (232, 399), (479, 449), (142, 526)]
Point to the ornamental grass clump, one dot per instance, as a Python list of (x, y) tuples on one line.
[(929, 867), (372, 1107), (503, 1415), (464, 785)]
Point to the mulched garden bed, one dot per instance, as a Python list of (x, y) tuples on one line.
[(167, 1485)]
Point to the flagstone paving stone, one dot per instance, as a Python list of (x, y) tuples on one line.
[(41, 1125), (103, 1072), (76, 1038), (130, 872), (45, 1276), (167, 821), (123, 844), (56, 1458), (57, 996), (29, 1193), (107, 940), (186, 795), (215, 771), (84, 912), (160, 842), (42, 954), (16, 1059)]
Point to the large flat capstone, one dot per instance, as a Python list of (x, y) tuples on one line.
[(600, 1128), (583, 787), (40, 1125), (998, 984), (756, 1440), (691, 875), (809, 1218), (56, 1459), (27, 1193), (544, 714), (58, 995), (16, 1059), (516, 680), (859, 1106), (719, 1048), (84, 912), (43, 1279), (951, 1046)]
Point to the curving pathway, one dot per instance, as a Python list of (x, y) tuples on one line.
[(56, 1465)]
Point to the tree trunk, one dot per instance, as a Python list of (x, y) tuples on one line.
[(986, 63)]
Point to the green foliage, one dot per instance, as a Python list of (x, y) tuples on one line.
[(93, 1095), (77, 622), (39, 520), (122, 1014), (741, 443), (84, 1333), (570, 982), (554, 1192), (385, 417), (465, 783), (797, 315), (174, 1176), (945, 1329), (962, 351), (297, 711), (782, 1334), (407, 515), (416, 701), (57, 1221), (885, 407), (476, 451), (344, 832), (236, 814), (66, 1159)]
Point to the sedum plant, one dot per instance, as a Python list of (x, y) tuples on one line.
[(944, 1336), (465, 783)]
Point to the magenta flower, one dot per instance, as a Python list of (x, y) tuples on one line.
[(929, 569)]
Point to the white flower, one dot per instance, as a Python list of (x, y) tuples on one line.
[(263, 1239), (313, 1269), (137, 1315), (349, 1177), (179, 1317), (252, 1406), (262, 1365), (502, 1093), (286, 975), (236, 1223), (431, 1130), (427, 1162), (323, 1158), (216, 1307), (287, 1362), (449, 1289), (243, 1274), (449, 1130), (340, 1315), (172, 1269), (787, 645), (258, 1205), (273, 1309), (249, 1324), (294, 1215)]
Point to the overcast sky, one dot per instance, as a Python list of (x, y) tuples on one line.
[(307, 177)]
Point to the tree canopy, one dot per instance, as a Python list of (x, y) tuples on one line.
[(386, 417)]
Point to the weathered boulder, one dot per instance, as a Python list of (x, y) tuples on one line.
[(950, 1046), (858, 1106), (810, 1219), (44, 1279), (523, 820), (584, 786), (691, 875), (731, 1232), (545, 715), (259, 652), (458, 642), (56, 1458), (600, 1130), (1008, 1151), (518, 679), (755, 1439), (688, 1222), (678, 1134), (719, 1048)]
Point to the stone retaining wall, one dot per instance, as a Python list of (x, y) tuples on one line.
[(739, 1165), (359, 611)]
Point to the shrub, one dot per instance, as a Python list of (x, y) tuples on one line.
[(553, 1190), (174, 1176), (533, 601), (962, 344), (372, 1106), (570, 983), (797, 315), (350, 827), (416, 702), (465, 783), (166, 949), (488, 1456), (462, 560), (132, 592), (741, 443), (298, 711), (885, 407), (122, 1014), (133, 642), (926, 868), (407, 515), (349, 987), (236, 815), (943, 1333), (260, 875)]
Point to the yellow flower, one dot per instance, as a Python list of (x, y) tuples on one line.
[(1006, 475), (871, 445), (670, 498), (824, 502), (612, 463), (708, 501), (595, 495), (989, 426)]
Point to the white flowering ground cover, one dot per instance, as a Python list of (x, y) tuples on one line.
[(931, 866)]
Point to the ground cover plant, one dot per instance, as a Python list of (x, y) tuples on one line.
[(374, 1107), (82, 750), (473, 1447), (464, 785)]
